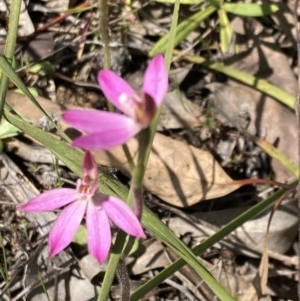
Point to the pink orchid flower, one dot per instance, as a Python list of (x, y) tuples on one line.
[(98, 208), (107, 129)]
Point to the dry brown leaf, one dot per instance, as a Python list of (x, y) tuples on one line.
[(178, 173)]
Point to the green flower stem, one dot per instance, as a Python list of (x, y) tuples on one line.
[(10, 45), (103, 10), (135, 196), (103, 24), (114, 258)]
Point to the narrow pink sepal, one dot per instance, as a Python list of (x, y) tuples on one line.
[(99, 233), (65, 227), (122, 216), (93, 121), (156, 79), (89, 166), (50, 200), (113, 86), (108, 138)]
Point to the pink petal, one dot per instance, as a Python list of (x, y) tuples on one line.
[(99, 233), (66, 226), (156, 79), (89, 166), (104, 139), (92, 121), (50, 200), (113, 86), (122, 216)]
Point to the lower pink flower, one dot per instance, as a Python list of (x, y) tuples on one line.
[(85, 199)]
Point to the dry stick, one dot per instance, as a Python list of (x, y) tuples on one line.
[(297, 110)]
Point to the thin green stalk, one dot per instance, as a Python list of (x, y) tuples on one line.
[(114, 258), (9, 49), (103, 11), (103, 23), (169, 50), (128, 157)]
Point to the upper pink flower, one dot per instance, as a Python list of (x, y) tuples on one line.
[(99, 209), (106, 129)]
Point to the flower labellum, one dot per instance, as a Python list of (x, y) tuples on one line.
[(107, 129), (85, 199)]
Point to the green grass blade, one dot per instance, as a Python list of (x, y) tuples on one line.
[(250, 80), (209, 242), (44, 286), (172, 34), (10, 44), (276, 154), (250, 9), (182, 30), (225, 30)]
